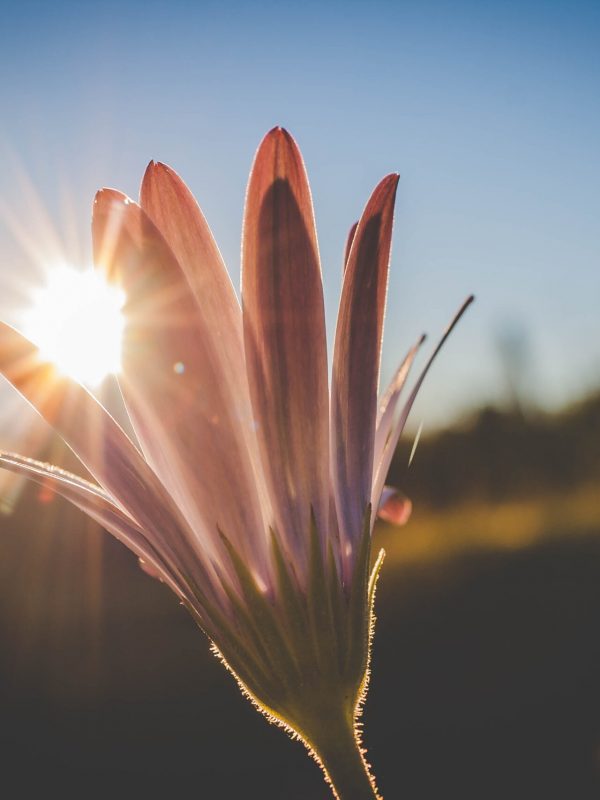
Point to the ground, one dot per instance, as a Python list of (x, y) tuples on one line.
[(485, 680)]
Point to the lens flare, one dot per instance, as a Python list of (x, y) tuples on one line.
[(76, 319)]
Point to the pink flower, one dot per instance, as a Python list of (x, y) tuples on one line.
[(251, 492)]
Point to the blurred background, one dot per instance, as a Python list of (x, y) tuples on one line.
[(487, 655)]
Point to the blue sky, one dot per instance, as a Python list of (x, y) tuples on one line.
[(490, 112)]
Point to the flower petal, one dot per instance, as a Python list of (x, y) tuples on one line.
[(392, 441), (389, 401), (356, 361), (94, 502), (175, 212), (284, 331), (349, 240), (99, 443), (25, 465), (394, 506), (178, 388)]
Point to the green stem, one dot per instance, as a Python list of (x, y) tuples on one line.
[(339, 752)]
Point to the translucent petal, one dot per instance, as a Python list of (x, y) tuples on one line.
[(284, 330), (177, 385), (356, 361)]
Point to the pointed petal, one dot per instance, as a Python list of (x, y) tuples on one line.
[(25, 465), (93, 501), (356, 360), (389, 401), (173, 209), (394, 506), (98, 442), (349, 240), (392, 442), (284, 330), (178, 388)]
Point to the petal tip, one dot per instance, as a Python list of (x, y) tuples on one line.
[(158, 176), (392, 180), (150, 174), (107, 195), (278, 132), (278, 137), (157, 166)]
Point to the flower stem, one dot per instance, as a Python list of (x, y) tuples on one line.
[(340, 754)]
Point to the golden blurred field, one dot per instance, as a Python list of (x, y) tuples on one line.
[(482, 526)]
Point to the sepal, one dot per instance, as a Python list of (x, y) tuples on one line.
[(297, 650)]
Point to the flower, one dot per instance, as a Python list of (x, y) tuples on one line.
[(252, 490)]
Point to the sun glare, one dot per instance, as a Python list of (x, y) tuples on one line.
[(77, 322)]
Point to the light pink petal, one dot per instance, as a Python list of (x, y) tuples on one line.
[(389, 401), (177, 384), (94, 502), (27, 466), (175, 212), (99, 443), (284, 330), (392, 442), (394, 507), (356, 361)]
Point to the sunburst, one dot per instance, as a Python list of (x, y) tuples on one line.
[(76, 318)]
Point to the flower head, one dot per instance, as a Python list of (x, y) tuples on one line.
[(253, 489)]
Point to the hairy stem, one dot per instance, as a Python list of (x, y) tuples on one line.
[(339, 752)]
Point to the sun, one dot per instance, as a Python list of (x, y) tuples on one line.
[(76, 319)]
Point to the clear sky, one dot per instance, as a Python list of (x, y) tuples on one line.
[(490, 112)]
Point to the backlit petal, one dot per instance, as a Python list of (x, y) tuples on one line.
[(94, 502), (175, 212), (356, 361), (392, 442), (96, 439), (389, 401), (349, 240), (181, 399), (284, 330)]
